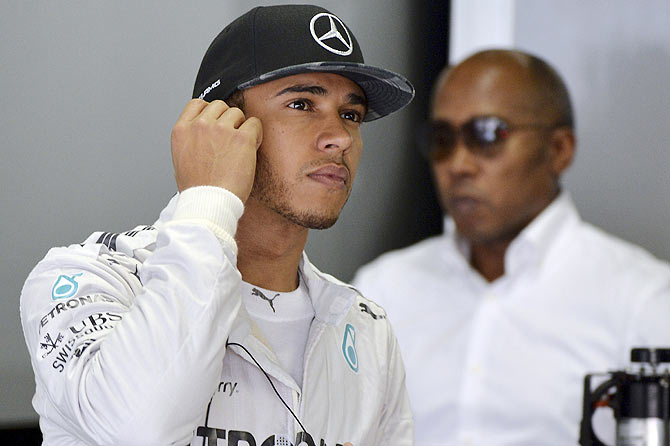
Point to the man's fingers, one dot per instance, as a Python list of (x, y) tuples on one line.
[(192, 109), (213, 110), (213, 144), (197, 108), (253, 127), (233, 117)]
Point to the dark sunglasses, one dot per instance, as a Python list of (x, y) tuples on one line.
[(482, 135)]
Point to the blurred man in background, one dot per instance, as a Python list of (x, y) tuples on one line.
[(501, 316)]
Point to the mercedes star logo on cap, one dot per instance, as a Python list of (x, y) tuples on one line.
[(332, 33)]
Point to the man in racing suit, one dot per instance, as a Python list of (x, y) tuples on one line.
[(211, 326)]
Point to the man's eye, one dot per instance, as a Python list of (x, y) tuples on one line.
[(299, 105), (352, 116)]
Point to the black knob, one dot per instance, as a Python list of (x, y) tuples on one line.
[(650, 355)]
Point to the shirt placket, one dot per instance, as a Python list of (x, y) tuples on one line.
[(473, 389)]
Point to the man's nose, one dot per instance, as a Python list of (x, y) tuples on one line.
[(461, 160), (334, 134)]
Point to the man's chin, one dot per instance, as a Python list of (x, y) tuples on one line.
[(315, 221), (316, 216), (478, 235), (471, 231), (324, 224)]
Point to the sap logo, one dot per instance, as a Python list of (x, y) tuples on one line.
[(95, 322), (65, 286), (237, 438), (210, 88), (71, 304), (228, 388), (349, 347)]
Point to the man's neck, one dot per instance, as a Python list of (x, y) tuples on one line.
[(489, 258), (269, 248)]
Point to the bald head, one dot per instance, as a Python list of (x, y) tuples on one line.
[(537, 85), (494, 187)]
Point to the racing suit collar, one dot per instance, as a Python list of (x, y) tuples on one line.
[(331, 298)]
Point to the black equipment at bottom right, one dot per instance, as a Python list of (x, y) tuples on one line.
[(639, 397)]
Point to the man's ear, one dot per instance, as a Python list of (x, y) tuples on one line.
[(562, 146)]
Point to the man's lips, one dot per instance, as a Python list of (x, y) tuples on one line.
[(330, 175), (462, 204)]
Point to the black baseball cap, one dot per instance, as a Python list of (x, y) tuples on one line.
[(270, 42)]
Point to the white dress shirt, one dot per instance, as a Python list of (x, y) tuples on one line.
[(502, 363)]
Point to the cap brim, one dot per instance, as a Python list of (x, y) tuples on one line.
[(385, 91)]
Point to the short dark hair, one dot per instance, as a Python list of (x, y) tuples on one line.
[(236, 99)]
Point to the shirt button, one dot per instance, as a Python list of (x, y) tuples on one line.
[(475, 369)]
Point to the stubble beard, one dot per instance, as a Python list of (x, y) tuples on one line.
[(269, 190)]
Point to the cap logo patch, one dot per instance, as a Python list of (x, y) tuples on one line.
[(336, 37), (210, 88)]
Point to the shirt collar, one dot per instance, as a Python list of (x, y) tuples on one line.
[(534, 242), (454, 240), (541, 234)]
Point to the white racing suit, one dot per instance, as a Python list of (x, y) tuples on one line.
[(128, 335)]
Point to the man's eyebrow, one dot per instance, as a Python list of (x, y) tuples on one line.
[(352, 98), (304, 88), (356, 99)]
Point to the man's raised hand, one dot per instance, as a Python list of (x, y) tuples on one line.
[(215, 145)]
